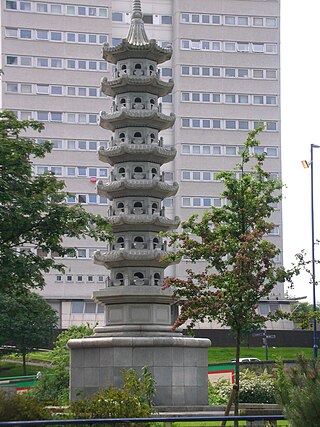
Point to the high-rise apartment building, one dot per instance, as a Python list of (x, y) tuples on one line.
[(225, 66)]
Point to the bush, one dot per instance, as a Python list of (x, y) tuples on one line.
[(253, 389), (52, 388), (133, 400), (298, 392), (21, 407)]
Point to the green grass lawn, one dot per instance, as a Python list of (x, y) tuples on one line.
[(221, 355)]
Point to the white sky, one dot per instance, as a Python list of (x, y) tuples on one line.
[(300, 89)]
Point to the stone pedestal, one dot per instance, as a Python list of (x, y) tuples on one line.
[(179, 366)]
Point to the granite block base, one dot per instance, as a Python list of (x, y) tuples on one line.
[(179, 366)]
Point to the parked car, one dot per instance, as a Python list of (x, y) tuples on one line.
[(247, 360)]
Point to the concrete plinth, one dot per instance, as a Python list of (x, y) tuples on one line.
[(179, 366)]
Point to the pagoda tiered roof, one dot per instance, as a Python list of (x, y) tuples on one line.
[(126, 50), (146, 153), (129, 83), (136, 118), (137, 187)]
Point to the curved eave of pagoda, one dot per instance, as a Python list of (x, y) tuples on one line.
[(136, 118), (136, 187), (125, 83), (127, 153), (126, 50), (136, 258), (148, 222)]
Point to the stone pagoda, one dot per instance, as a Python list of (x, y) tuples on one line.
[(138, 321)]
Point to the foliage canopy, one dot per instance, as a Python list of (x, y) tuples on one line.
[(34, 215)]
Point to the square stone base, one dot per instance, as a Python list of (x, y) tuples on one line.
[(179, 366)]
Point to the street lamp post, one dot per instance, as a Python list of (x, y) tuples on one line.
[(315, 343)]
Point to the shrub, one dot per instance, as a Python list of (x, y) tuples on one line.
[(298, 392), (253, 389), (21, 407), (52, 388), (133, 400)]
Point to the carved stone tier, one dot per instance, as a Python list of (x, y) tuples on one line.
[(135, 311), (125, 50), (136, 118), (144, 153), (154, 223), (136, 187), (132, 258), (126, 83)]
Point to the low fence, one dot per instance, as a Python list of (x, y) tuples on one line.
[(248, 421)]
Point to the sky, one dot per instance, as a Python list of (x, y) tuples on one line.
[(300, 114)]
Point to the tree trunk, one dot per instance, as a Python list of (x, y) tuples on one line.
[(24, 364), (237, 377)]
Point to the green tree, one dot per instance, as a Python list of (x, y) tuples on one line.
[(298, 392), (240, 260), (53, 388), (34, 214), (27, 322)]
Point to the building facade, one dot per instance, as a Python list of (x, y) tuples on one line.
[(226, 71)]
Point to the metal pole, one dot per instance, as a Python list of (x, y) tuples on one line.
[(315, 344)]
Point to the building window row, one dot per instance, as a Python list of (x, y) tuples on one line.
[(58, 117), (196, 123), (87, 199), (72, 171), (201, 202), (86, 253), (211, 176), (225, 150), (85, 307), (229, 98), (228, 46), (206, 176), (241, 21), (55, 36), (60, 63), (54, 90), (83, 278), (72, 144), (229, 72), (56, 9), (125, 17)]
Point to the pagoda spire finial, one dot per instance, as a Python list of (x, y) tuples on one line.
[(137, 34)]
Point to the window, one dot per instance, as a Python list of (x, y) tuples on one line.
[(231, 151), (185, 44), (56, 90), (42, 62), (147, 19), (12, 87), (56, 36), (166, 72), (56, 8), (230, 46), (117, 16), (77, 307), (243, 20), (42, 7), (243, 72), (56, 117), (230, 124), (43, 89), (230, 72), (11, 32), (166, 19), (185, 71), (12, 60), (11, 5)]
